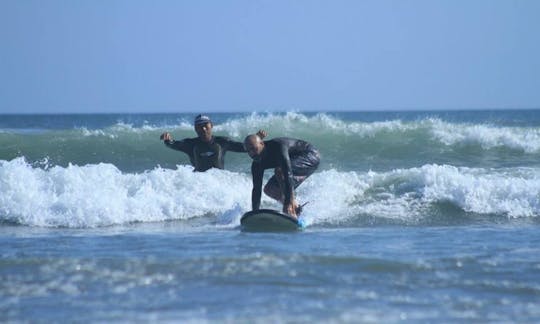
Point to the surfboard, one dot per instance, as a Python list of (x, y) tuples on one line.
[(269, 220)]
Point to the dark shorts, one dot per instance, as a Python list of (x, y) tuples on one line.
[(302, 167)]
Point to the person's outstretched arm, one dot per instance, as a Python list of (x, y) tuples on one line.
[(175, 145), (233, 146)]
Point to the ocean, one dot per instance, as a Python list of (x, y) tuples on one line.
[(428, 216)]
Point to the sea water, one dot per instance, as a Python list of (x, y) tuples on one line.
[(412, 216)]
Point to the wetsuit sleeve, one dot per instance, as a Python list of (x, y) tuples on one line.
[(287, 175), (233, 146), (257, 175), (182, 145)]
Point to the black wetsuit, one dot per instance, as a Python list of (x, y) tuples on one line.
[(203, 155), (296, 159)]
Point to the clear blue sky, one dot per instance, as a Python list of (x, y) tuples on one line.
[(179, 56)]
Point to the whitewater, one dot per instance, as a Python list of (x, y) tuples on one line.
[(402, 170), (411, 216)]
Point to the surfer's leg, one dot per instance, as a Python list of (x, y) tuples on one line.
[(302, 167), (273, 189)]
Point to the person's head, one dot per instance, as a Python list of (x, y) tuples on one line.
[(203, 127), (254, 146)]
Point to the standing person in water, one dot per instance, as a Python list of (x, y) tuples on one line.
[(293, 160), (206, 150)]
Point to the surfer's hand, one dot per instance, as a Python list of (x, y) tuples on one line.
[(262, 133), (289, 209), (165, 137)]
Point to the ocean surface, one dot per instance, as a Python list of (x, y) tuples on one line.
[(411, 217)]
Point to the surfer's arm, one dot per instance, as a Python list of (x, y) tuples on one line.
[(257, 175), (178, 145), (233, 146)]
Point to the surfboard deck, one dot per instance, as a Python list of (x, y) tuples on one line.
[(269, 220)]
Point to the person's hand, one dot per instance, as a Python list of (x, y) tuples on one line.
[(289, 209), (262, 133), (165, 137)]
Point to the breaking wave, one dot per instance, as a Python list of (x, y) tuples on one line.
[(96, 195)]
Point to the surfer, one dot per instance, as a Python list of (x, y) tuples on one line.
[(206, 150), (293, 160)]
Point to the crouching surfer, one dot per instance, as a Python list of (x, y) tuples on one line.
[(293, 161)]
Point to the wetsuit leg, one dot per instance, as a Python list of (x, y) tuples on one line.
[(304, 165), (273, 188)]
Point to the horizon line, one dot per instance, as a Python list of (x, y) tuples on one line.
[(272, 111)]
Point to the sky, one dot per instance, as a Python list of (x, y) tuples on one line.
[(89, 56)]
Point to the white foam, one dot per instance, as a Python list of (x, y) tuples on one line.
[(513, 192), (488, 136), (526, 139), (331, 196), (292, 121), (96, 132), (407, 194), (121, 128), (101, 195), (521, 138)]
